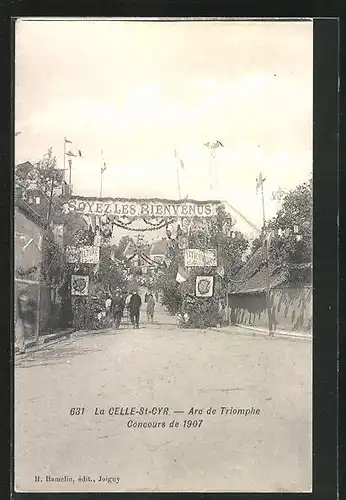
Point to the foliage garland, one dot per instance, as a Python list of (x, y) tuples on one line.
[(153, 228), (162, 221), (27, 272)]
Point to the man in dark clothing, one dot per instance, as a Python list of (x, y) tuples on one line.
[(118, 305), (134, 307)]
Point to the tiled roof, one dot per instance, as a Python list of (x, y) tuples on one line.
[(252, 277)]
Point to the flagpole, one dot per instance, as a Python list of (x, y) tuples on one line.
[(178, 177), (266, 260), (263, 212), (70, 174), (103, 168), (64, 159), (211, 170), (101, 183)]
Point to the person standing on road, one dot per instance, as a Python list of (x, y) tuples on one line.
[(108, 305), (118, 308), (134, 307), (150, 307)]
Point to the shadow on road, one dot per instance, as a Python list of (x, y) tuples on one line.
[(56, 353)]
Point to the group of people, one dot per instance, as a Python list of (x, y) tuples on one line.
[(117, 304)]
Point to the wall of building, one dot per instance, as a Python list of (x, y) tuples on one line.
[(291, 309), (28, 250)]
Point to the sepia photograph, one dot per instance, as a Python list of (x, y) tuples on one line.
[(163, 193)]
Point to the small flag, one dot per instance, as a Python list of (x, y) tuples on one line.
[(220, 270), (69, 153), (67, 141), (259, 182), (167, 261), (39, 242), (214, 144), (182, 275), (104, 165), (177, 157), (96, 268)]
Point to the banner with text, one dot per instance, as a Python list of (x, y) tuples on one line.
[(142, 208), (83, 255), (194, 257)]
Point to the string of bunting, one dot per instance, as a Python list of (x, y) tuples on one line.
[(124, 223), (151, 261), (162, 221), (28, 271), (153, 228)]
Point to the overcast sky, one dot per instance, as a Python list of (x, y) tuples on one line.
[(138, 90)]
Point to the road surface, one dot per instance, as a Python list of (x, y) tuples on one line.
[(162, 366)]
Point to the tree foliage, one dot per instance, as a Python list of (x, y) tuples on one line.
[(111, 274), (217, 233), (296, 210), (42, 175)]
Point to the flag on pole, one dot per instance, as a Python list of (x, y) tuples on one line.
[(259, 182), (220, 270), (182, 275), (77, 153), (177, 157), (214, 144), (70, 153), (104, 165)]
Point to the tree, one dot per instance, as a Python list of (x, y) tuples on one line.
[(43, 175), (110, 274), (218, 233), (48, 175), (296, 210)]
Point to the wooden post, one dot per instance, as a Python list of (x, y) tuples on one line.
[(101, 183), (266, 258), (70, 175)]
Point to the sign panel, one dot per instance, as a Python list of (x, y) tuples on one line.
[(83, 255), (79, 285), (194, 257), (72, 255), (142, 208), (204, 286), (183, 242), (89, 254)]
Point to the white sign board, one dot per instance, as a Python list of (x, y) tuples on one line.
[(142, 208), (204, 286), (89, 254), (79, 285), (194, 257), (83, 255), (72, 255)]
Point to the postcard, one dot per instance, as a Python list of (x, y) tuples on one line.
[(163, 255)]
